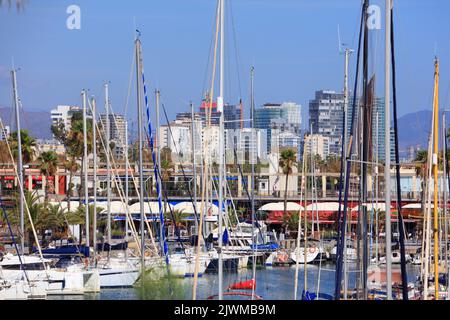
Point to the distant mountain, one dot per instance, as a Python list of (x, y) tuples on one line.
[(36, 122), (414, 129)]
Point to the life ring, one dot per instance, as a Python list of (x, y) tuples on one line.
[(312, 249)]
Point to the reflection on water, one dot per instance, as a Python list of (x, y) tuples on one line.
[(275, 283)]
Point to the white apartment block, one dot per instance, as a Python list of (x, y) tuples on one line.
[(317, 144)]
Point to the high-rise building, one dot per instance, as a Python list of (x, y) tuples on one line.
[(378, 128), (250, 145), (233, 116), (63, 114), (326, 113), (285, 117), (117, 131)]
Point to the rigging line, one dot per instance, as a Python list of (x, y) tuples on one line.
[(114, 177), (22, 194), (163, 242), (130, 84), (355, 29), (208, 104), (401, 225), (181, 165), (246, 188), (210, 53), (342, 220), (5, 214), (236, 50)]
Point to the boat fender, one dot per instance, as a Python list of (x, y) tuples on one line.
[(312, 249)]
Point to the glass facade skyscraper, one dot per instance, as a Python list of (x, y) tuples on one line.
[(326, 113), (285, 117)]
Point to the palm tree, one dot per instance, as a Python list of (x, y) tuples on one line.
[(287, 162), (28, 146), (70, 165), (421, 167), (177, 218), (166, 166), (79, 217), (43, 217), (75, 142), (48, 165)]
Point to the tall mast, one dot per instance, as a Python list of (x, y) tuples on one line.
[(158, 160), (387, 138), (85, 165), (253, 159), (19, 160), (126, 184), (365, 151), (435, 172), (221, 143), (94, 153), (344, 156), (108, 165), (141, 175), (194, 171)]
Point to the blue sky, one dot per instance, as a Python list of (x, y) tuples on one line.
[(293, 45)]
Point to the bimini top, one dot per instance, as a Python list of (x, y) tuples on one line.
[(324, 206), (279, 206), (149, 207), (380, 206), (188, 208)]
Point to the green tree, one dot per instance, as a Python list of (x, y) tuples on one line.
[(166, 167), (48, 165), (287, 162), (43, 217), (79, 217), (28, 146)]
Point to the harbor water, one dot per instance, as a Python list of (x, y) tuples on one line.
[(272, 283)]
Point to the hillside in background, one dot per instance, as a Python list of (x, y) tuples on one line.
[(414, 128), (36, 122)]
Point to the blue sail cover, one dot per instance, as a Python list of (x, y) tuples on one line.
[(155, 169), (265, 247), (225, 238)]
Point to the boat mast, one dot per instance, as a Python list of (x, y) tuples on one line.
[(387, 138), (365, 152), (343, 163), (94, 153), (158, 160), (220, 109), (254, 157), (141, 175), (126, 187), (435, 172), (444, 186), (85, 165), (19, 160), (194, 169), (108, 166)]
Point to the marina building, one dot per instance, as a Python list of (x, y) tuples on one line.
[(63, 114), (326, 113), (117, 132), (317, 144)]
